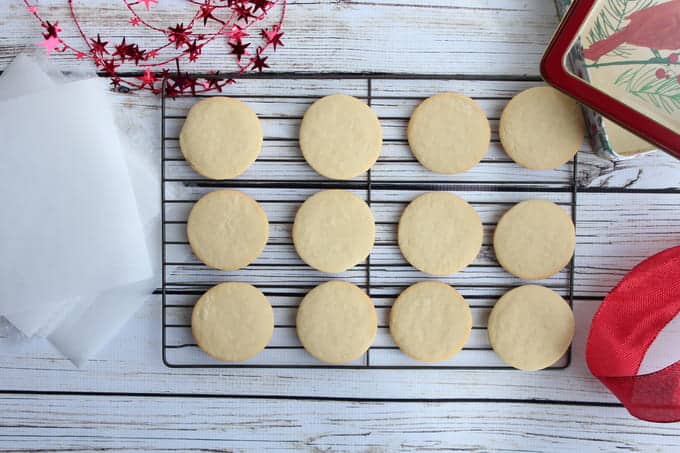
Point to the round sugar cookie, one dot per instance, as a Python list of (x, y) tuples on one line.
[(333, 230), (336, 322), (221, 137), (430, 321), (449, 133), (340, 136), (531, 327), (534, 239), (232, 321), (440, 233), (227, 229), (541, 128)]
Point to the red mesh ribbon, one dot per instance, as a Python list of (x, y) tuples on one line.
[(624, 327)]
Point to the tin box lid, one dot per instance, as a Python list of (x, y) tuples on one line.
[(622, 59)]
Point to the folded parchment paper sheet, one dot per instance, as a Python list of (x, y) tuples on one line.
[(79, 236)]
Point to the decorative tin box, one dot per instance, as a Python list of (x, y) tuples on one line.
[(621, 59)]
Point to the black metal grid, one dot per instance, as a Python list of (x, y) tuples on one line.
[(168, 289)]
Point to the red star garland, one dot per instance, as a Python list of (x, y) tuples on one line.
[(206, 12), (237, 34), (50, 44), (273, 36), (51, 30), (109, 66), (243, 12), (239, 49), (179, 35), (194, 51), (261, 5), (98, 47), (148, 78), (259, 62), (129, 51), (232, 18), (121, 50)]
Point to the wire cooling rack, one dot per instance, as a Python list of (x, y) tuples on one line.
[(280, 180)]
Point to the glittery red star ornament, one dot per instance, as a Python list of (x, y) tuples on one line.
[(171, 90), (239, 49), (98, 47), (206, 12), (260, 5), (109, 66), (50, 44), (259, 62), (185, 82), (121, 50), (194, 51), (135, 21), (148, 78), (273, 36), (179, 35), (135, 54), (51, 30), (243, 12), (237, 34)]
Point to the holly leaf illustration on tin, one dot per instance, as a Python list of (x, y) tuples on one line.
[(653, 85)]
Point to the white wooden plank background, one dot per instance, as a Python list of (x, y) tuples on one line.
[(160, 424), (615, 231)]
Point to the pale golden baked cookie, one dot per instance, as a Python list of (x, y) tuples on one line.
[(534, 239), (440, 233), (336, 322), (430, 321), (333, 230), (221, 137), (232, 321), (542, 128), (449, 133), (227, 229), (531, 327), (340, 136)]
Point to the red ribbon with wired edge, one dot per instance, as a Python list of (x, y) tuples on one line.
[(624, 327)]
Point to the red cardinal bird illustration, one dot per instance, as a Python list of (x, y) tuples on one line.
[(656, 27)]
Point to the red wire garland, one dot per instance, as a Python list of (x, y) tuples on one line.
[(234, 18)]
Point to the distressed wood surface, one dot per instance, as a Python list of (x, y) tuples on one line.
[(494, 39), (405, 36), (215, 424)]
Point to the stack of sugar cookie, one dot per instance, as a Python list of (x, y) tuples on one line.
[(439, 233)]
